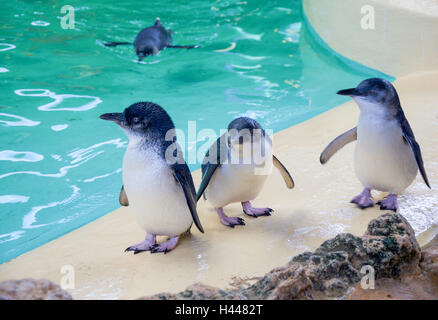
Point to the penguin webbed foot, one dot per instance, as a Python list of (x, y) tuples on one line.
[(166, 246), (229, 221), (249, 210), (363, 200), (389, 203), (146, 245), (137, 248)]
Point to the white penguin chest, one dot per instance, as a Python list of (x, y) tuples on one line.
[(234, 182), (383, 160), (155, 197)]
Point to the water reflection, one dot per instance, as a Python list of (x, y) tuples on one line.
[(11, 236), (22, 121), (59, 98), (26, 156), (59, 127), (79, 157), (30, 218), (6, 46), (40, 23), (13, 198)]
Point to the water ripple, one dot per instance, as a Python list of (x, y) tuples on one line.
[(8, 46), (59, 127), (25, 156), (11, 236), (102, 176), (13, 198), (40, 23), (59, 98), (250, 36), (22, 121), (30, 218), (79, 156)]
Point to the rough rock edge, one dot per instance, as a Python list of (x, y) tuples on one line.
[(31, 289), (389, 246)]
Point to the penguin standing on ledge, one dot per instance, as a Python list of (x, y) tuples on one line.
[(157, 185), (151, 40), (236, 167), (387, 156)]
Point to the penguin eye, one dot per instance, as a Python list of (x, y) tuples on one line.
[(136, 119)]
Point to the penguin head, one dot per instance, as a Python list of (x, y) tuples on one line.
[(244, 130), (142, 119), (374, 93)]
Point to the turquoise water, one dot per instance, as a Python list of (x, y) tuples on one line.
[(60, 165)]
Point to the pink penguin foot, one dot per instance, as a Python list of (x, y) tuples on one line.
[(249, 210), (364, 200), (229, 221), (145, 245), (166, 246), (389, 203)]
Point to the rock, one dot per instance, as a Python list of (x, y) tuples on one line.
[(31, 289), (197, 291), (429, 259), (389, 246), (422, 285)]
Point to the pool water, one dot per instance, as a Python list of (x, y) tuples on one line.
[(60, 165)]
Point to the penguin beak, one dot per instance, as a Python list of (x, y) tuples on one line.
[(353, 92), (115, 117)]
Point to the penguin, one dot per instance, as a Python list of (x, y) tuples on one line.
[(387, 157), (157, 183), (151, 40), (236, 167)]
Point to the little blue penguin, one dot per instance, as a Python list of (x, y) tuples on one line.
[(157, 184), (236, 167), (387, 157), (151, 40)]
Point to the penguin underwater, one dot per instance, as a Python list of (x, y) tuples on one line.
[(151, 40), (229, 174), (387, 157), (157, 185)]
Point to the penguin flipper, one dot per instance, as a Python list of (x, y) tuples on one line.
[(284, 173), (183, 47), (208, 171), (339, 142), (182, 174), (123, 198), (409, 138), (115, 44), (215, 156)]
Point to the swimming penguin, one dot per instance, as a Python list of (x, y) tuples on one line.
[(151, 40), (387, 157), (236, 167), (157, 184)]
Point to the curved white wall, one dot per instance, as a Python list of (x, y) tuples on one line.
[(404, 39)]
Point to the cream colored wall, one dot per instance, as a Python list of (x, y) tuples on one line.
[(405, 38)]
